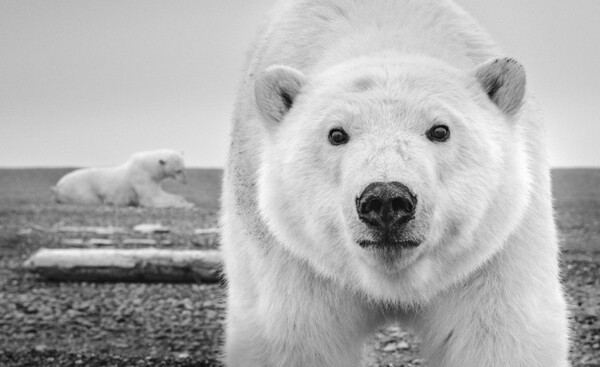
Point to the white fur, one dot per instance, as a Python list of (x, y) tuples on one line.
[(482, 288), (136, 182)]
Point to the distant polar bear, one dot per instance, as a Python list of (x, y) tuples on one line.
[(136, 182), (387, 165)]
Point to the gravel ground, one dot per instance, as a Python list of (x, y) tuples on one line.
[(118, 324), (41, 357), (123, 324)]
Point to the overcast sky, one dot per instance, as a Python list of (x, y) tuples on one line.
[(91, 82)]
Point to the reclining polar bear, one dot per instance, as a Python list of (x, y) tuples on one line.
[(136, 182)]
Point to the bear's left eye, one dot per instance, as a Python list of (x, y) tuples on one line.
[(438, 133), (338, 137)]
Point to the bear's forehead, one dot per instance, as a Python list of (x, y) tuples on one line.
[(370, 94), (375, 92), (397, 82)]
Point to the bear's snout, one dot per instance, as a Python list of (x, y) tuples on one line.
[(386, 205)]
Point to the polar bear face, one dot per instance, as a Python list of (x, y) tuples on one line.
[(173, 166), (381, 173)]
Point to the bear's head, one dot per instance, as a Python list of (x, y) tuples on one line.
[(394, 176), (172, 165)]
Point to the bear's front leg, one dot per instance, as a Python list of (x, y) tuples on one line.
[(290, 317), (499, 318)]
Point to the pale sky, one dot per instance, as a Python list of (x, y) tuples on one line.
[(87, 83)]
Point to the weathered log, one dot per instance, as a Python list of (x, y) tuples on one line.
[(126, 265)]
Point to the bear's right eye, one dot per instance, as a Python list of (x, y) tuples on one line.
[(338, 137), (439, 133)]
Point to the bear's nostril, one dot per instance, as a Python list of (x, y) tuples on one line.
[(371, 205), (374, 205), (401, 204)]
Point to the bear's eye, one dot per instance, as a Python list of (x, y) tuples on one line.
[(338, 137), (438, 133)]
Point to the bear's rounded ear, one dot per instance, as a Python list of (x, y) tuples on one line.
[(504, 81), (275, 90)]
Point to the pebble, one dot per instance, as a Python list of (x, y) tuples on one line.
[(156, 228), (390, 347), (402, 345)]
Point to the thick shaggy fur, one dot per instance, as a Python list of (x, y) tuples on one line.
[(482, 288), (136, 182)]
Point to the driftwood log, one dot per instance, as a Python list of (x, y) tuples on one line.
[(126, 265)]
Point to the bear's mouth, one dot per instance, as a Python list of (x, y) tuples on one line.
[(388, 245)]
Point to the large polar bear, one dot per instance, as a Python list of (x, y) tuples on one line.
[(387, 165), (136, 182)]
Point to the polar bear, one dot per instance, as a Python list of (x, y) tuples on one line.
[(388, 165), (136, 182)]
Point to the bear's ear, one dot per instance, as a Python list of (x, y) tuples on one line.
[(503, 80), (275, 91), (162, 162)]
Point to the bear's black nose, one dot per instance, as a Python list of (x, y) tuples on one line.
[(386, 204)]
